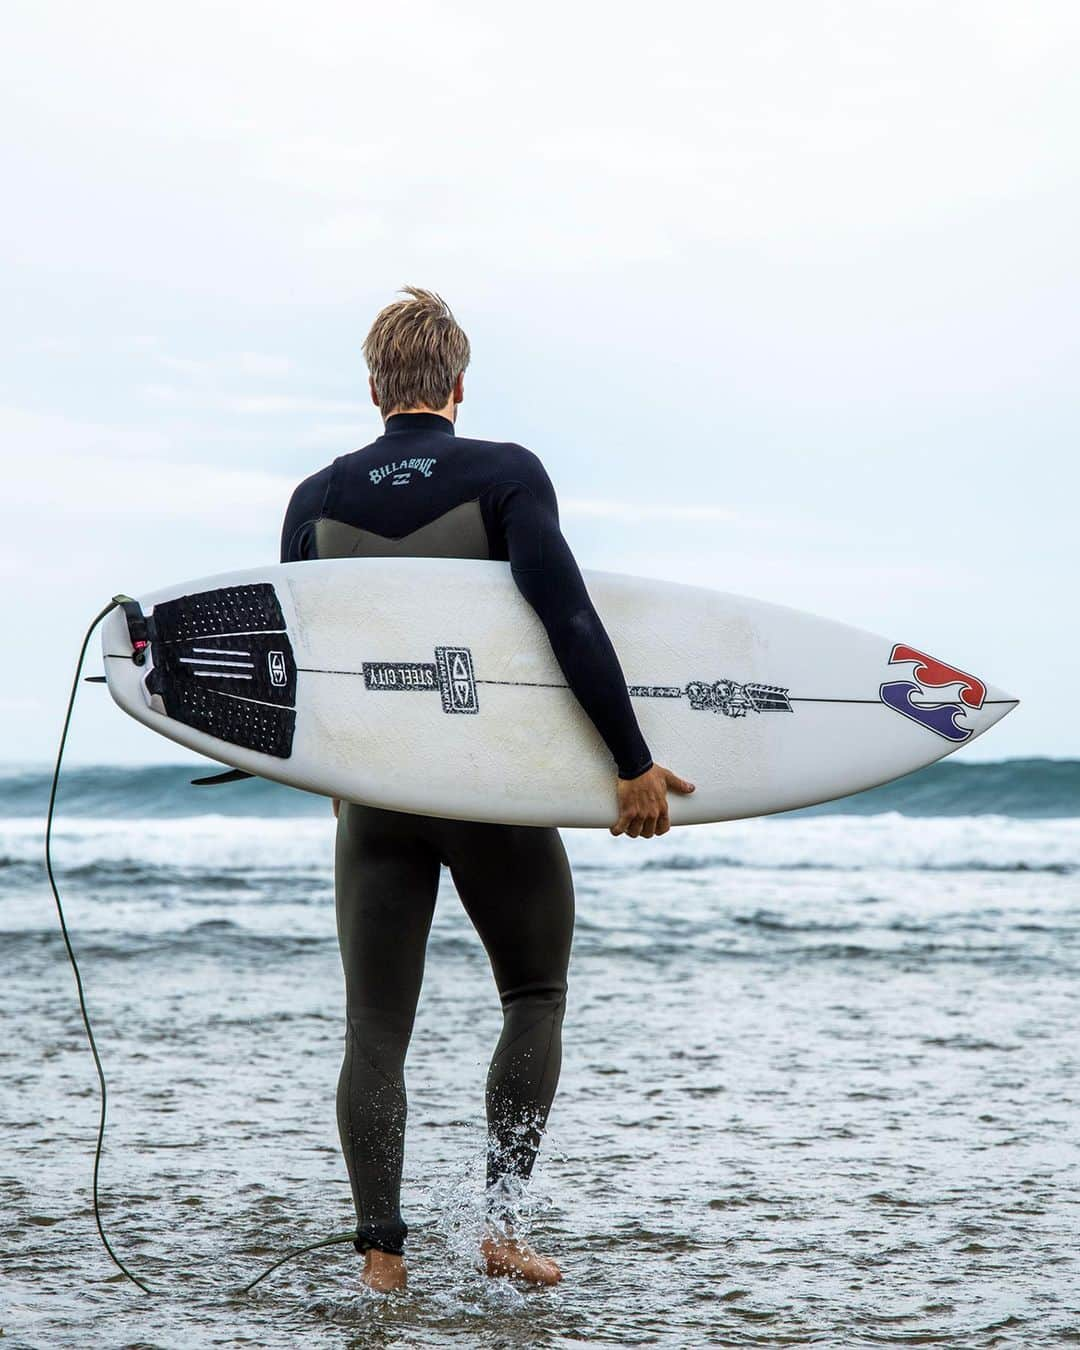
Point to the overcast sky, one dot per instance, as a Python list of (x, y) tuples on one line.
[(784, 295)]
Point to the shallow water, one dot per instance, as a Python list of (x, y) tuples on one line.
[(819, 1089)]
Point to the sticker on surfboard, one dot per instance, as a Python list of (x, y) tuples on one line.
[(221, 662), (913, 697)]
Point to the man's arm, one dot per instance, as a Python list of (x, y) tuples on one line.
[(297, 533), (549, 578)]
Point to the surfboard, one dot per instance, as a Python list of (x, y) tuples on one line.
[(429, 685)]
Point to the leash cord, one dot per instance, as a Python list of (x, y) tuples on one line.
[(297, 1251)]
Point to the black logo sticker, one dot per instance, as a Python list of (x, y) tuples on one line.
[(451, 673), (721, 696), (400, 675), (736, 700), (457, 683)]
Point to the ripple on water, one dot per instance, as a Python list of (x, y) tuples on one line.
[(792, 1109)]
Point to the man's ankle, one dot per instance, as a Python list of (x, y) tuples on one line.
[(383, 1271)]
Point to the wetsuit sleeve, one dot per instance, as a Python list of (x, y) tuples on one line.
[(305, 508), (549, 578)]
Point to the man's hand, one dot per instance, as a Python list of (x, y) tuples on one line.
[(643, 804)]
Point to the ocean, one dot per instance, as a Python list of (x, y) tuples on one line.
[(819, 1087)]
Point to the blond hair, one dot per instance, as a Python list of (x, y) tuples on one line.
[(415, 352)]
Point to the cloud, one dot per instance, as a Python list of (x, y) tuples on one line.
[(254, 404), (335, 437), (631, 512), (715, 126), (139, 494), (260, 363), (29, 439), (263, 404), (225, 364)]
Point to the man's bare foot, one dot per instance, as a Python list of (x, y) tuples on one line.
[(508, 1257), (383, 1271)]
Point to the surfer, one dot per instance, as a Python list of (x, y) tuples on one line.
[(420, 490)]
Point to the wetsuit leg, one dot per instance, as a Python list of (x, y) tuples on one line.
[(515, 884), (386, 879)]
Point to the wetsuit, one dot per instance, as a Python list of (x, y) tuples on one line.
[(421, 491)]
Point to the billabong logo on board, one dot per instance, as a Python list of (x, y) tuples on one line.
[(926, 675)]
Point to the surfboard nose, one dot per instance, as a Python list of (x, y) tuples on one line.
[(996, 695), (996, 705)]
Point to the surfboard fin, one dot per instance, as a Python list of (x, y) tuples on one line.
[(229, 776)]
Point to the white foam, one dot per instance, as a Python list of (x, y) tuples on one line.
[(889, 841)]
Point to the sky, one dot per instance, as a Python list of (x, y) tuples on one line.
[(785, 296)]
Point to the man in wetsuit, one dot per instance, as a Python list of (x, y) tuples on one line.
[(421, 491)]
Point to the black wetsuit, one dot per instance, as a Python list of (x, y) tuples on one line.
[(421, 491)]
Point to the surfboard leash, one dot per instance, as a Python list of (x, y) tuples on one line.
[(121, 601)]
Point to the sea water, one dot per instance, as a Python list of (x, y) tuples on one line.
[(819, 1085)]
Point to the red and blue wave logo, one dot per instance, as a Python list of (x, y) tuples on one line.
[(914, 697)]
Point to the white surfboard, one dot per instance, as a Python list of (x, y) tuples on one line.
[(429, 685)]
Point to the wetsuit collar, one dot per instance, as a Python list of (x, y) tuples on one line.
[(418, 421)]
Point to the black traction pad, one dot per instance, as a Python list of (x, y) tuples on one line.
[(223, 664), (245, 665), (232, 609)]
